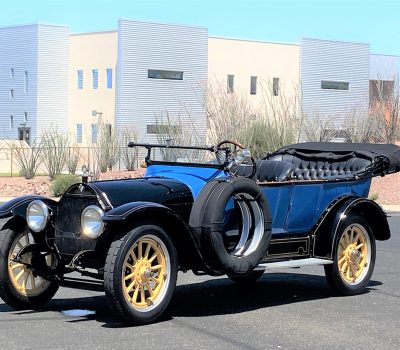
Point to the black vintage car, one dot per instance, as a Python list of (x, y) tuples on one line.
[(305, 204)]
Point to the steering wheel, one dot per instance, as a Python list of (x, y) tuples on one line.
[(226, 155)]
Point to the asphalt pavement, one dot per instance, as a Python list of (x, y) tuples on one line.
[(286, 309)]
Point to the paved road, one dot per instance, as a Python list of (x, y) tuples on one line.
[(286, 310)]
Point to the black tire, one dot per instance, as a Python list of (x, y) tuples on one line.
[(30, 294), (248, 278), (126, 277), (208, 221), (353, 259)]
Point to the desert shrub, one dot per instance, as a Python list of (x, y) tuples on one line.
[(128, 155), (61, 183), (72, 160), (373, 196), (54, 146), (27, 158)]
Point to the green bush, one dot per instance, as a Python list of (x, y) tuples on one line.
[(61, 183)]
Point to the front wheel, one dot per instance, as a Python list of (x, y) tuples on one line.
[(20, 286), (140, 274), (354, 257)]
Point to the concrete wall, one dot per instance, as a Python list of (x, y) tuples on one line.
[(246, 58), (87, 52)]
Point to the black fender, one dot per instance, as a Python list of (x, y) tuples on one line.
[(327, 229), (17, 206), (121, 219)]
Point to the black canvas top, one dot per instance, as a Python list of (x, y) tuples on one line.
[(387, 155)]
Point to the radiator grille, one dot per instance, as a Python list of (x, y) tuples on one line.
[(68, 224)]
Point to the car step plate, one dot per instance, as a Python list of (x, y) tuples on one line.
[(293, 263)]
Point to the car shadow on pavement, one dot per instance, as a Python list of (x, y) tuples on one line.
[(215, 296)]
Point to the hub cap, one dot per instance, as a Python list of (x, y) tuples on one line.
[(354, 254), (22, 277), (146, 273)]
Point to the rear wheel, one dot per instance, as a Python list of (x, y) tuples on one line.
[(140, 274), (20, 286), (354, 257)]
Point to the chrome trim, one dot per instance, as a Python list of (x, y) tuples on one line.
[(252, 235), (293, 263), (100, 212), (45, 212)]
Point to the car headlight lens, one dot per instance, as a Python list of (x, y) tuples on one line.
[(242, 156), (92, 222), (37, 215)]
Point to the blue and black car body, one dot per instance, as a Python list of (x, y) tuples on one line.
[(305, 204)]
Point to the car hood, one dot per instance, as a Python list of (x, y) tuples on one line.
[(152, 189)]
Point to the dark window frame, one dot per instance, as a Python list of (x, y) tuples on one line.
[(161, 74), (253, 85), (230, 83), (335, 85), (275, 86)]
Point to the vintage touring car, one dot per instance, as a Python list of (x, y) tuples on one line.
[(305, 204)]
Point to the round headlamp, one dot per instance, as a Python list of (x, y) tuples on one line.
[(242, 156), (37, 215), (92, 222)]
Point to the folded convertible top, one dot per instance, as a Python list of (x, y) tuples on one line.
[(385, 157)]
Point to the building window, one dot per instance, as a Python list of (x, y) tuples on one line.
[(109, 78), (11, 72), (80, 79), (230, 83), (25, 117), (78, 133), (275, 86), (108, 130), (253, 85), (164, 74), (11, 93), (94, 133), (334, 85), (95, 73), (25, 81), (11, 122)]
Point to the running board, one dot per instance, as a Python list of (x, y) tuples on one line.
[(293, 263), (79, 283)]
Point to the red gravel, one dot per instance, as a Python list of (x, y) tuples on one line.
[(387, 188), (18, 186)]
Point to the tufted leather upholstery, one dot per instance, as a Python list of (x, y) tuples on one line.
[(269, 170), (306, 169)]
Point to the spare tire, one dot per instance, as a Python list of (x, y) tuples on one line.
[(232, 221)]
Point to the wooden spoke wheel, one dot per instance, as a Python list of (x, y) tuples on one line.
[(140, 274), (21, 276), (353, 256), (146, 273), (20, 286)]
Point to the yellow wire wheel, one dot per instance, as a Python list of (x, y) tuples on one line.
[(146, 272), (22, 277), (354, 254)]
